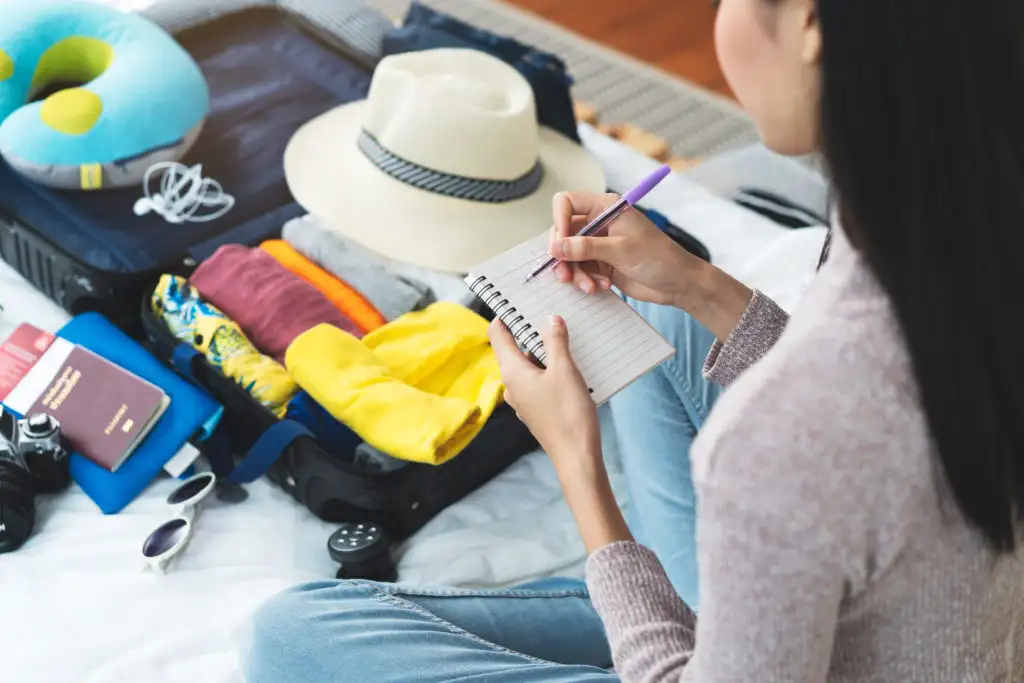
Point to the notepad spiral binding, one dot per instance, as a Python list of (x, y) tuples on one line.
[(528, 337)]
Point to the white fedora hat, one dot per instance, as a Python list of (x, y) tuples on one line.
[(442, 166)]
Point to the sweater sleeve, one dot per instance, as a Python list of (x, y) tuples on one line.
[(650, 629), (777, 512), (755, 333)]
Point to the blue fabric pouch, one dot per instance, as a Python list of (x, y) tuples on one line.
[(427, 29), (192, 414)]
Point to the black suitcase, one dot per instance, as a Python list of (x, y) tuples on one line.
[(54, 240), (400, 501)]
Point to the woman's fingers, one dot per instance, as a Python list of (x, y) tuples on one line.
[(592, 276), (597, 273), (567, 205), (578, 223), (580, 249), (581, 278), (589, 276), (563, 212), (573, 210)]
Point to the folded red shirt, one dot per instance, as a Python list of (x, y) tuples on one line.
[(271, 304)]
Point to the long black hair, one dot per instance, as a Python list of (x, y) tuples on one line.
[(922, 114)]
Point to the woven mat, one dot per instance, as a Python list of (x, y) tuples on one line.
[(695, 122)]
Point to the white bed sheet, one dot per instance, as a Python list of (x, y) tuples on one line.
[(76, 607)]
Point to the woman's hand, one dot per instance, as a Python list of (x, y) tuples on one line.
[(556, 405), (553, 402), (642, 262), (632, 253)]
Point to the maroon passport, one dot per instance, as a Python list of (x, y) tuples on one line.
[(104, 411)]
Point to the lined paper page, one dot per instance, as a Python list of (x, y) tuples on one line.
[(610, 343)]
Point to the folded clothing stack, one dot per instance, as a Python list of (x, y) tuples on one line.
[(222, 342), (321, 332), (269, 303), (393, 294)]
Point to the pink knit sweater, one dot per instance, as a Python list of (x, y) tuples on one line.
[(828, 548)]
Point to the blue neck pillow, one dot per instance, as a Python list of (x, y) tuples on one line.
[(137, 97)]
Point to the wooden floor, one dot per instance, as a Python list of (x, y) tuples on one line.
[(675, 35)]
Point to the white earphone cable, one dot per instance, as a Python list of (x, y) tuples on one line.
[(183, 191)]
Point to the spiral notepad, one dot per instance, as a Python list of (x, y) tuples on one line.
[(610, 343)]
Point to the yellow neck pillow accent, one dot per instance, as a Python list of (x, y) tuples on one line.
[(6, 66), (73, 111), (77, 59)]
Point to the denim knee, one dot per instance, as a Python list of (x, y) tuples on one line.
[(301, 603), (674, 324), (692, 342), (282, 631), (279, 614), (280, 609)]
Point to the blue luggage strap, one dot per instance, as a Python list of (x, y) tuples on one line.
[(182, 359), (268, 448), (270, 445)]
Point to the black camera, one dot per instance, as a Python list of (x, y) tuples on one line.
[(32, 460)]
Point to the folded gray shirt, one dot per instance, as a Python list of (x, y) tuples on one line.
[(392, 294)]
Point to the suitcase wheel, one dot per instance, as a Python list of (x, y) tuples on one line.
[(364, 552)]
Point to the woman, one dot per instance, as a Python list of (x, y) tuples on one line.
[(860, 482)]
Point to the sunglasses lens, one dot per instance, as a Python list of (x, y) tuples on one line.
[(189, 490), (164, 538)]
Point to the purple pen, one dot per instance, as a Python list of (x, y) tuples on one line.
[(612, 212)]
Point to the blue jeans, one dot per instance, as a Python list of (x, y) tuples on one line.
[(543, 632)]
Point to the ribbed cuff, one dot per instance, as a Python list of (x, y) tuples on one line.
[(755, 333), (629, 588)]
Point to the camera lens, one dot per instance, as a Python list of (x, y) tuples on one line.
[(17, 504)]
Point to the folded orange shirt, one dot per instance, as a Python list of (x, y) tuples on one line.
[(347, 298)]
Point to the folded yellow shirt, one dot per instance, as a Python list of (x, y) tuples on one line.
[(419, 388)]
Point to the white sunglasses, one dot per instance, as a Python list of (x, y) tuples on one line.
[(171, 537)]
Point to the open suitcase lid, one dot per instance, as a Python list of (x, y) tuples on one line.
[(269, 72)]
